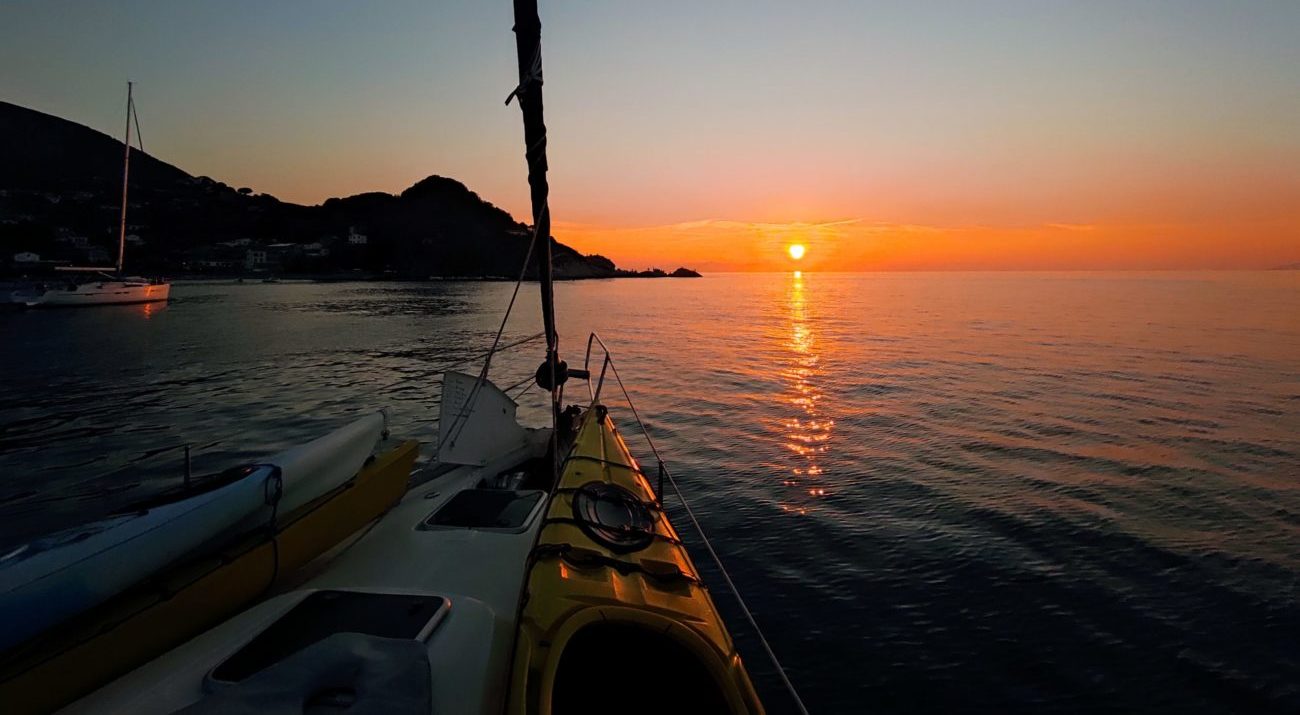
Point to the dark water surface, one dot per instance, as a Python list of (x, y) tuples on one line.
[(939, 492)]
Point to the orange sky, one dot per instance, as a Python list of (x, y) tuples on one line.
[(855, 245), (1112, 215), (1003, 134)]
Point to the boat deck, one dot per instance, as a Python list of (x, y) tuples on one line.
[(409, 551)]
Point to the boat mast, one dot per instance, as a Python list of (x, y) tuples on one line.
[(126, 172), (528, 44)]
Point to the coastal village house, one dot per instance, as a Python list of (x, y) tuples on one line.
[(254, 259), (356, 239)]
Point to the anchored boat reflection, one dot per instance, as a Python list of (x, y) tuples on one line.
[(808, 432)]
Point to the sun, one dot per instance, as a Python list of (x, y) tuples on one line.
[(796, 250)]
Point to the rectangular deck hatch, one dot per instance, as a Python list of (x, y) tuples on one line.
[(325, 613), (486, 509)]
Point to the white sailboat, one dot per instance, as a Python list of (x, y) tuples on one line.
[(103, 288)]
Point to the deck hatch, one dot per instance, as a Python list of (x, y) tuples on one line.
[(324, 613), (486, 509)]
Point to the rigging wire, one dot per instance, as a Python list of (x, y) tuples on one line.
[(520, 384), (699, 529), (139, 138), (530, 380), (744, 608), (479, 356)]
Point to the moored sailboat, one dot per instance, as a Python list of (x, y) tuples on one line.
[(106, 285)]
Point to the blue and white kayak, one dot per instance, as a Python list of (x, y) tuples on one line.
[(52, 578)]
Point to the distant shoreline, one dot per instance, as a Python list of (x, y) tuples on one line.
[(346, 277), (12, 284), (381, 278)]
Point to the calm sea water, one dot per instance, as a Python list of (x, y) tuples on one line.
[(938, 492)]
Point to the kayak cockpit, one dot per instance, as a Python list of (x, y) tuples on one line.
[(592, 675), (345, 671), (333, 649)]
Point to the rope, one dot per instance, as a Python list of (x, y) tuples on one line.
[(534, 75), (744, 608), (589, 558)]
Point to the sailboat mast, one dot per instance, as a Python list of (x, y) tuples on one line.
[(528, 43), (126, 172)]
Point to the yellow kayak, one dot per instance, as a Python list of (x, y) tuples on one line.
[(92, 649), (614, 615)]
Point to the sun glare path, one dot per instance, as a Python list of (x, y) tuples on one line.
[(796, 250)]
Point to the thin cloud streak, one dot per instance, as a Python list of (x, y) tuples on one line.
[(858, 244)]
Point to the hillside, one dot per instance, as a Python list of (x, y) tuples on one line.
[(60, 194)]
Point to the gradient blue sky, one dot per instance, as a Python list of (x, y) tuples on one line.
[(910, 134)]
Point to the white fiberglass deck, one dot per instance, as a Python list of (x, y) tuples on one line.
[(478, 570)]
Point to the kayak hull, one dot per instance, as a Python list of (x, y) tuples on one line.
[(73, 570), (57, 576)]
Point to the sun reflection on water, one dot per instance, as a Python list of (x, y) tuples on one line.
[(807, 432)]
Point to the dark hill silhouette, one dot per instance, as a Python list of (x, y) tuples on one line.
[(45, 153), (61, 181)]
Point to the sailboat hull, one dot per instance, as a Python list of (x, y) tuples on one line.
[(96, 293)]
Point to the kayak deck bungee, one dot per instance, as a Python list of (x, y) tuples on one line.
[(139, 624), (613, 598)]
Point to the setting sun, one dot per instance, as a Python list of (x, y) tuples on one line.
[(796, 250)]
